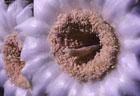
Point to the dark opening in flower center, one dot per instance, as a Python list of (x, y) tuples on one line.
[(83, 44), (12, 64)]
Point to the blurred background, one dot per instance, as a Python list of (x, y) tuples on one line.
[(9, 2)]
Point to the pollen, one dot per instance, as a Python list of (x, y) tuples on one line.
[(12, 64), (84, 44)]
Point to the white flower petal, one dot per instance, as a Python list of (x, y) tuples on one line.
[(1, 44), (90, 89), (120, 79), (98, 3), (2, 34), (127, 86), (3, 24), (25, 14), (35, 64), (11, 15), (9, 89), (1, 62), (3, 77), (3, 6), (131, 45), (33, 47), (115, 10), (21, 4), (21, 37), (53, 3), (12, 90), (75, 89), (44, 12), (129, 27), (85, 4), (43, 77), (110, 85), (90, 4), (3, 21), (22, 92), (128, 65), (33, 27), (68, 5), (62, 86), (14, 9)]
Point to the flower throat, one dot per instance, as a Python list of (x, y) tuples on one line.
[(84, 45)]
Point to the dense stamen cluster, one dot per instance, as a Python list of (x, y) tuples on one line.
[(12, 64), (83, 44)]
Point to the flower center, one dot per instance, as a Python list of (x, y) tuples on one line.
[(12, 64), (84, 45)]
